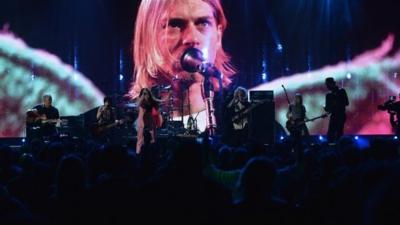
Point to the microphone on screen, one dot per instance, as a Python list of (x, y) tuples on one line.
[(192, 61)]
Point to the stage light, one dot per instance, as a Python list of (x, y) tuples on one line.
[(199, 140), (279, 47), (309, 62), (23, 140), (76, 63), (321, 138), (121, 77), (395, 137), (348, 76), (362, 143), (282, 137), (264, 76)]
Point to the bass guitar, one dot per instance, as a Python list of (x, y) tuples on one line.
[(238, 116), (293, 125)]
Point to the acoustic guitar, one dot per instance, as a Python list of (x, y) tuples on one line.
[(34, 118)]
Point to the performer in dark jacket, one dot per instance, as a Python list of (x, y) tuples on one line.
[(335, 103)]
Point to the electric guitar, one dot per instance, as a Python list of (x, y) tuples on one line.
[(293, 125), (240, 115), (289, 104), (100, 130)]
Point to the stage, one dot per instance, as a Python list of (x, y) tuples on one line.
[(362, 141)]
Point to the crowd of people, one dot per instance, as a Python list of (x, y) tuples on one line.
[(188, 181)]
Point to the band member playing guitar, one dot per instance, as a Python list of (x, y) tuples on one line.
[(106, 113), (106, 121), (149, 118), (45, 116), (296, 115), (238, 106)]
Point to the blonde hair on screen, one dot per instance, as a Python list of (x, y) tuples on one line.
[(150, 56)]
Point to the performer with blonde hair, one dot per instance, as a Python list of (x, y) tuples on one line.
[(163, 31)]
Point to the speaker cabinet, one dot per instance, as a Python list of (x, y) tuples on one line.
[(262, 117)]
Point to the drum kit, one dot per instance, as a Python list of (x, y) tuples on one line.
[(171, 108)]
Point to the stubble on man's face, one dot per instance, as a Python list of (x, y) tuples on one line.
[(189, 24)]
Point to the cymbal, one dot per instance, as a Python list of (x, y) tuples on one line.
[(166, 87)]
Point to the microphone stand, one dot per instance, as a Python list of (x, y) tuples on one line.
[(192, 61), (208, 97)]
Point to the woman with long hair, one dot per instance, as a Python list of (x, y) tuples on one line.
[(149, 118)]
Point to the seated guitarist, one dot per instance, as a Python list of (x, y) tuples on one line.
[(296, 118), (44, 116), (238, 106)]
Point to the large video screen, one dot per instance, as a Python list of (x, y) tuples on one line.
[(81, 52)]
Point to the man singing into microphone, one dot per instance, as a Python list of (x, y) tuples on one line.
[(164, 30)]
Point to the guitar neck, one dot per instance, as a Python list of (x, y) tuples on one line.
[(51, 120), (248, 109), (119, 122), (287, 97), (111, 125), (318, 117)]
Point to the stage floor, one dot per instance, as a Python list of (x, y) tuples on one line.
[(362, 140)]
